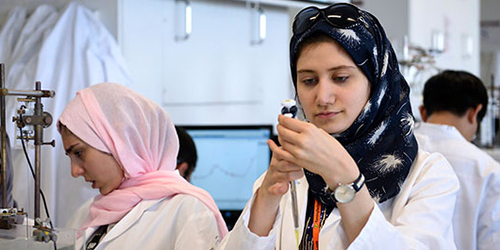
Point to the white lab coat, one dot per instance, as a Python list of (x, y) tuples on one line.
[(9, 34), (419, 217), (24, 57), (180, 222), (476, 222)]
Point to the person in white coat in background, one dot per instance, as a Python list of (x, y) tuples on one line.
[(454, 104), (362, 181), (126, 146)]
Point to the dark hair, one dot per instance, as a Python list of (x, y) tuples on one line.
[(455, 92), (60, 126), (187, 150), (315, 38)]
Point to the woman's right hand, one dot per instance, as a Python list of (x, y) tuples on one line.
[(274, 186)]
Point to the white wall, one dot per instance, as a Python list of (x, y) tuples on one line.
[(458, 20), (394, 19), (216, 76)]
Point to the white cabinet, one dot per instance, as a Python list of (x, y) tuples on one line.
[(216, 76)]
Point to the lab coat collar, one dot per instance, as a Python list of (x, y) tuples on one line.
[(438, 130), (130, 219)]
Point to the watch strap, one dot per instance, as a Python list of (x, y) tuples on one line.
[(359, 182)]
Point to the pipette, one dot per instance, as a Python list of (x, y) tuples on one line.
[(290, 110)]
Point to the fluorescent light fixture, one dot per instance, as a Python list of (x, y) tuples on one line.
[(184, 20), (468, 45), (437, 41), (262, 26), (258, 29), (189, 19)]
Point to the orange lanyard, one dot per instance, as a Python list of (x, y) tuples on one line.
[(316, 223)]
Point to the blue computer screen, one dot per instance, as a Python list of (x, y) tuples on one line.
[(230, 159)]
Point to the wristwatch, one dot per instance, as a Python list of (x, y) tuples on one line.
[(345, 193)]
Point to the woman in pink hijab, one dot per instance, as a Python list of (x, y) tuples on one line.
[(126, 146)]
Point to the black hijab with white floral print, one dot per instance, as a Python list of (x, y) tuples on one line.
[(381, 139)]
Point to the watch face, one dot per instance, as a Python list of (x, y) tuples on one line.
[(344, 193)]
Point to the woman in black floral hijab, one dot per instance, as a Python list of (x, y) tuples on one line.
[(366, 184)]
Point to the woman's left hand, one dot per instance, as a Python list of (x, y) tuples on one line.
[(315, 150)]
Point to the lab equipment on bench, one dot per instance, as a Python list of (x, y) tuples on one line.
[(17, 230)]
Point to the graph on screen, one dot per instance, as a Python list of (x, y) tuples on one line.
[(230, 159)]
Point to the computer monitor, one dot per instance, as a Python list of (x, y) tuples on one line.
[(230, 159)]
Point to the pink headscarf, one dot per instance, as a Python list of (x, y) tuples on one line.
[(141, 137)]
